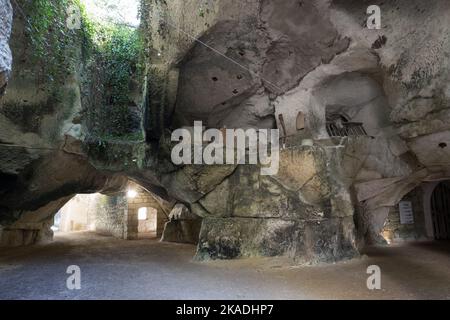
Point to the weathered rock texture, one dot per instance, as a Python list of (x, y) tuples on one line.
[(265, 64), (297, 213), (43, 164), (257, 61)]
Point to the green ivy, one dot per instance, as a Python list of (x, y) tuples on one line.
[(119, 48), (110, 56), (116, 58), (50, 39)]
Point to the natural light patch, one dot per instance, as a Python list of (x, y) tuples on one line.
[(142, 214), (115, 11)]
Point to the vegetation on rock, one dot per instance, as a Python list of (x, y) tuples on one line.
[(51, 39), (113, 68)]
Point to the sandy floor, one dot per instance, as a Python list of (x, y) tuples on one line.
[(147, 269)]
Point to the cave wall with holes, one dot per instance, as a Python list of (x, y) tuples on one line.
[(259, 64), (294, 63)]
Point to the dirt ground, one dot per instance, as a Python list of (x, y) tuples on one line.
[(147, 269)]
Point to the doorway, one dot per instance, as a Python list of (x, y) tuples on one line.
[(148, 223), (440, 211)]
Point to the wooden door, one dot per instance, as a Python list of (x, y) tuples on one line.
[(440, 211)]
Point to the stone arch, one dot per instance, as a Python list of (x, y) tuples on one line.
[(351, 80), (356, 96)]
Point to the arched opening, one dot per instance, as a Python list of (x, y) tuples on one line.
[(440, 211), (102, 214), (406, 221), (422, 214), (130, 214), (77, 215), (354, 105)]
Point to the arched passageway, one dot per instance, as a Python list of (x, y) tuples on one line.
[(132, 214)]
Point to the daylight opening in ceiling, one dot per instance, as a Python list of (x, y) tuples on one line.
[(115, 11)]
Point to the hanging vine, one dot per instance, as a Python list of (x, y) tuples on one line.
[(49, 39)]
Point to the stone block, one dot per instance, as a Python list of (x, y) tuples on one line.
[(327, 240)]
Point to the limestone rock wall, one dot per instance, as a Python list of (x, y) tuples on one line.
[(298, 213), (6, 15), (256, 64), (247, 55), (257, 46), (265, 65), (43, 162)]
